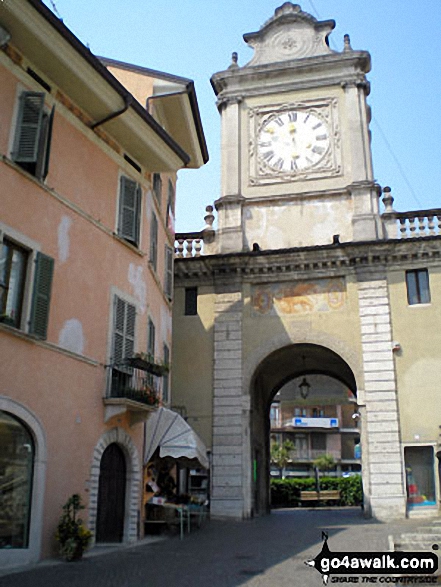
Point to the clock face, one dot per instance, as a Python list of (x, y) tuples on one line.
[(293, 141)]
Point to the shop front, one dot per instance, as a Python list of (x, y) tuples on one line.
[(175, 476)]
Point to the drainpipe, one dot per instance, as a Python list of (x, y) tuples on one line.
[(147, 103), (127, 102)]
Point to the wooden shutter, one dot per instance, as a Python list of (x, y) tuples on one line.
[(44, 270), (129, 210), (151, 338), (157, 186), (168, 279), (29, 126), (154, 241), (123, 330), (45, 169), (165, 379)]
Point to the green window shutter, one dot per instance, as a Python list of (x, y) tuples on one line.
[(45, 169), (29, 127), (165, 378), (151, 338), (154, 241), (168, 278), (44, 270), (123, 330), (129, 210), (157, 187)]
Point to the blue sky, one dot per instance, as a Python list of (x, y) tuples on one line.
[(195, 38)]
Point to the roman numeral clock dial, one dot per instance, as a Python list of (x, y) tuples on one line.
[(293, 142)]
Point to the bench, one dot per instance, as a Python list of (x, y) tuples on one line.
[(320, 496)]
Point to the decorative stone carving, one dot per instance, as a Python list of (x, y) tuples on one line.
[(289, 34)]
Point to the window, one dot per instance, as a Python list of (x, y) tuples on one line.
[(171, 196), (16, 473), (417, 282), (129, 210), (123, 330), (420, 481), (165, 379), (151, 334), (13, 263), (168, 278), (154, 241), (191, 301), (33, 135), (14, 272), (170, 207), (157, 187), (318, 441)]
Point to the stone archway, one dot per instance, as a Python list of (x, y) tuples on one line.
[(133, 481), (273, 372)]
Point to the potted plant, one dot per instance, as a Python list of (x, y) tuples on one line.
[(72, 535)]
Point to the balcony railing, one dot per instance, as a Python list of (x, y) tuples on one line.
[(411, 224), (134, 384)]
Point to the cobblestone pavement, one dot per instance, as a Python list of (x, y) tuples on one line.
[(262, 552)]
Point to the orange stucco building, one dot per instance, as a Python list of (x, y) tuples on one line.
[(87, 188)]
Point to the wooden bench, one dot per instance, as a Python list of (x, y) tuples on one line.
[(320, 496)]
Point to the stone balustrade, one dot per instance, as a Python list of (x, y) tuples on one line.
[(191, 244), (188, 244), (411, 224)]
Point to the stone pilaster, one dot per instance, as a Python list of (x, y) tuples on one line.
[(228, 420), (382, 429)]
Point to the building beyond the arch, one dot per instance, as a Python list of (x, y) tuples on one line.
[(302, 255)]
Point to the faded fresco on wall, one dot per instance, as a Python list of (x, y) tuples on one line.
[(284, 299)]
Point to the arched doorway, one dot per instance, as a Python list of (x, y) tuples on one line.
[(276, 370), (111, 495)]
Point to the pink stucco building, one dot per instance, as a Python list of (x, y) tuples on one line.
[(87, 191)]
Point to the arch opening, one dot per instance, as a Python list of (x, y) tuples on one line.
[(314, 424)]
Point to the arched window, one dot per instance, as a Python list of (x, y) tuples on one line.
[(16, 472)]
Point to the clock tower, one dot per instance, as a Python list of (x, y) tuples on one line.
[(296, 157)]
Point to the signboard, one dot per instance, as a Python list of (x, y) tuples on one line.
[(301, 422)]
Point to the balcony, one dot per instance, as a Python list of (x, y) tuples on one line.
[(133, 386)]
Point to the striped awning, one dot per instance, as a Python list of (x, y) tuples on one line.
[(175, 438)]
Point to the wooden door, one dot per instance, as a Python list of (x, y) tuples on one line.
[(111, 495)]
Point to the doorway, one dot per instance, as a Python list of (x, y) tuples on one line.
[(111, 495)]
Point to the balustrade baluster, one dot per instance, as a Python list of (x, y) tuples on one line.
[(430, 225), (197, 247), (189, 247), (412, 227), (437, 225), (179, 250), (403, 228), (422, 226)]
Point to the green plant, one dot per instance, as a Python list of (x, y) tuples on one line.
[(286, 492), (324, 462), (72, 535), (281, 454)]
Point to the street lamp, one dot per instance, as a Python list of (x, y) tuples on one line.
[(304, 388)]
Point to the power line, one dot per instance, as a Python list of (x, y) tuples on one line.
[(382, 134), (398, 164), (55, 10)]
